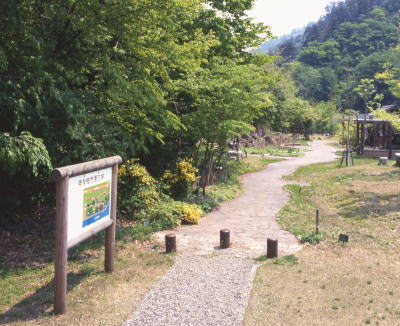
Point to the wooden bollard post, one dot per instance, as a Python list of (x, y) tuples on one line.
[(110, 231), (272, 248), (224, 239), (61, 256), (170, 243), (317, 221)]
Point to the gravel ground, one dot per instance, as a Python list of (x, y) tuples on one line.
[(207, 290)]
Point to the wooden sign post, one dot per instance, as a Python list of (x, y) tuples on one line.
[(86, 199)]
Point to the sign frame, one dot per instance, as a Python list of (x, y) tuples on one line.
[(61, 177)]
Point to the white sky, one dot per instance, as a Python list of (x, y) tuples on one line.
[(285, 15)]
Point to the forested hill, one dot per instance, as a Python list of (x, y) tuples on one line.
[(279, 44), (355, 40)]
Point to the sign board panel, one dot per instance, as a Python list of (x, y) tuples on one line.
[(89, 201), (86, 200)]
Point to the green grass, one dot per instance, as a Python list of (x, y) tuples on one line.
[(27, 292), (349, 196), (348, 284), (277, 151)]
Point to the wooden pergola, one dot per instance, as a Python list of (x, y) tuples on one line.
[(375, 137)]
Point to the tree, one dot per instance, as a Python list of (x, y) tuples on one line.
[(225, 99)]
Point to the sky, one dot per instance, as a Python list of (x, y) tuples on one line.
[(285, 15)]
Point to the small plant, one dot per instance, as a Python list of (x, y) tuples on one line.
[(312, 238), (289, 259), (141, 232), (261, 258)]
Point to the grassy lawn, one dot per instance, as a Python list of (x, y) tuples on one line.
[(94, 298), (329, 283), (277, 151)]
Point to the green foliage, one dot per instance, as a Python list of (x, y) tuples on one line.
[(136, 232), (227, 96), (347, 131), (289, 260), (23, 152), (170, 213), (165, 214), (180, 180), (99, 78), (24, 162), (138, 191), (351, 43), (140, 198), (312, 238), (276, 151)]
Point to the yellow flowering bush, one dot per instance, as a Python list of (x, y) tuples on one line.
[(179, 181), (191, 213), (137, 190), (139, 197)]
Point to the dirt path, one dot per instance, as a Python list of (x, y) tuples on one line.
[(208, 287), (251, 217)]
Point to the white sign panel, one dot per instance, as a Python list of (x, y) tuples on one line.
[(89, 201)]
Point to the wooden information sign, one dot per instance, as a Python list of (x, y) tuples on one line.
[(86, 199)]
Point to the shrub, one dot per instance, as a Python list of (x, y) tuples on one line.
[(138, 191), (311, 237), (24, 169), (165, 215), (171, 213), (140, 199), (191, 213), (179, 181)]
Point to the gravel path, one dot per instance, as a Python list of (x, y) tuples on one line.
[(199, 290), (211, 287)]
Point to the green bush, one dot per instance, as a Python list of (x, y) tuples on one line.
[(311, 237), (165, 215), (140, 198), (179, 181), (24, 170), (137, 191)]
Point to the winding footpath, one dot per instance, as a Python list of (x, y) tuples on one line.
[(207, 286)]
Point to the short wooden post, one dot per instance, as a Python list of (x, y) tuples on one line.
[(170, 243), (390, 141), (60, 273), (110, 231), (224, 239), (317, 221), (358, 137), (272, 248)]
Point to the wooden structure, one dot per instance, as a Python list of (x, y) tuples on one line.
[(62, 176), (375, 137)]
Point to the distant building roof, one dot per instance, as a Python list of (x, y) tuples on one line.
[(369, 117), (388, 108)]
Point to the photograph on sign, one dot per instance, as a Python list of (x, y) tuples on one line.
[(96, 203), (88, 201)]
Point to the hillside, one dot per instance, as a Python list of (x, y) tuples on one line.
[(354, 40)]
